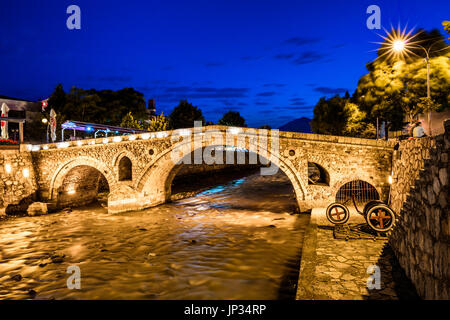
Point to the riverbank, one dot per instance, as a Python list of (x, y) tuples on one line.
[(337, 269)]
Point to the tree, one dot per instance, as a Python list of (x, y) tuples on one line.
[(105, 106), (265, 126), (184, 115), (330, 116), (394, 88), (159, 123), (129, 122), (57, 99), (232, 119), (446, 25), (356, 125)]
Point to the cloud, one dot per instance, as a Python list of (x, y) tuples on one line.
[(297, 100), (267, 111), (308, 57), (261, 103), (295, 107), (197, 83), (296, 103), (339, 45), (220, 110), (187, 92), (250, 58), (328, 90), (305, 57), (285, 117), (230, 103), (266, 94), (278, 85), (301, 41), (284, 56)]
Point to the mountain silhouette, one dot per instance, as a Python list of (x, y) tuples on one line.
[(298, 125)]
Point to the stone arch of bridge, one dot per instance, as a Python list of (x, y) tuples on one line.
[(62, 171), (157, 176)]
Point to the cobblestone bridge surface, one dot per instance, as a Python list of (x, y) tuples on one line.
[(335, 269)]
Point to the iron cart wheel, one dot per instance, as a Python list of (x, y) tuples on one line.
[(370, 204), (337, 213), (380, 218)]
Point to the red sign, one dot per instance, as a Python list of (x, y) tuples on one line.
[(44, 104)]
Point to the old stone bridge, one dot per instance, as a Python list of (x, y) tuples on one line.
[(139, 169)]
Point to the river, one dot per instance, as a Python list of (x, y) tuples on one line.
[(238, 240)]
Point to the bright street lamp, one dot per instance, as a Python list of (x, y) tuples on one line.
[(399, 44)]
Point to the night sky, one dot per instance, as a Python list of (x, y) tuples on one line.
[(269, 60)]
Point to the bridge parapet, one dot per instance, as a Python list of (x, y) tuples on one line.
[(224, 129)]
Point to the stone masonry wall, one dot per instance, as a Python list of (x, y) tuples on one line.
[(421, 236), (16, 185), (408, 161)]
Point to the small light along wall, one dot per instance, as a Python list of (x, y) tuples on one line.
[(9, 170), (99, 141)]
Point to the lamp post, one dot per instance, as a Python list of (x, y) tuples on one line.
[(45, 121), (399, 47)]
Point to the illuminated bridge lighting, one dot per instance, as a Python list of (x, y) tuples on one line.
[(63, 145)]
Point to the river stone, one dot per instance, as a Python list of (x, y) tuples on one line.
[(443, 177), (37, 208)]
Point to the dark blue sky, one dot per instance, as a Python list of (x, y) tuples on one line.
[(270, 60)]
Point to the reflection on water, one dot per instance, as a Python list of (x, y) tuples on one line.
[(236, 241)]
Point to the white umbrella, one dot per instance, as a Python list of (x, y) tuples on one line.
[(53, 124), (4, 124)]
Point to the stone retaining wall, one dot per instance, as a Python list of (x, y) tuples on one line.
[(20, 182), (420, 195), (408, 161)]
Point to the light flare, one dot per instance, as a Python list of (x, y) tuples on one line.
[(398, 43)]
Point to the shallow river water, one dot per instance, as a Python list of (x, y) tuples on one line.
[(236, 241)]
